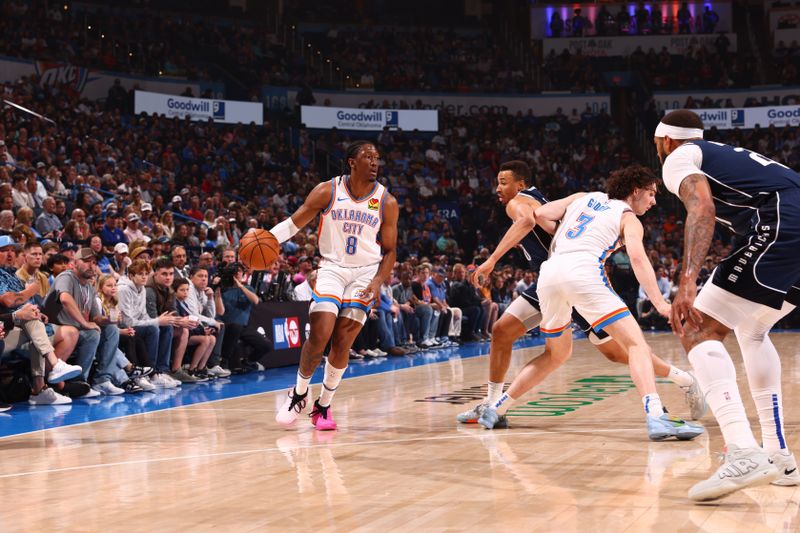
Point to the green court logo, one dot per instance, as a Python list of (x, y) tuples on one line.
[(587, 391)]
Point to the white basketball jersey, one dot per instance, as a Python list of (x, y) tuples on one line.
[(592, 225), (349, 227)]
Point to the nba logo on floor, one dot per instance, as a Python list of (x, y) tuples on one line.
[(286, 333), (218, 112)]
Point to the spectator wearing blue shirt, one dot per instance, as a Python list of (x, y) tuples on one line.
[(112, 232), (438, 287)]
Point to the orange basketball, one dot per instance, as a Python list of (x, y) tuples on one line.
[(258, 249)]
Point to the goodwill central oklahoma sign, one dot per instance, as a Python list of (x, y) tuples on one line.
[(347, 118), (223, 111)]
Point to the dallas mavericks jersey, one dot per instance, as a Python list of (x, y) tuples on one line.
[(536, 244), (591, 224), (741, 181), (349, 227)]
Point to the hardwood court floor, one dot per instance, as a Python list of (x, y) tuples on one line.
[(395, 464)]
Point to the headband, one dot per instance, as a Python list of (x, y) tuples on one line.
[(677, 132)]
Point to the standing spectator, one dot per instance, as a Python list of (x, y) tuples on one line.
[(710, 20), (684, 19), (156, 332)]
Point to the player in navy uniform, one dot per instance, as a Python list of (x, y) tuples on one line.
[(524, 312), (758, 200)]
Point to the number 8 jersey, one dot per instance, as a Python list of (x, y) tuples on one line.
[(591, 224), (349, 227)]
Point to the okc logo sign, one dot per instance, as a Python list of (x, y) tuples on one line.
[(586, 391), (53, 74)]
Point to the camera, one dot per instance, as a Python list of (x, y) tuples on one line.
[(226, 275)]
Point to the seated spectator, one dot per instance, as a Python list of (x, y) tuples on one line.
[(201, 338), (524, 284), (390, 322), (97, 339), (304, 291), (30, 272), (121, 260), (238, 301), (492, 309), (205, 303), (422, 292), (416, 313), (155, 332), (447, 315), (466, 297), (161, 302), (56, 264), (112, 233)]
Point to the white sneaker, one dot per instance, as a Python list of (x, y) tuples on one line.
[(787, 467), (91, 394), (107, 388), (379, 352), (62, 372), (695, 399), (741, 468), (145, 384), (260, 367), (162, 380), (219, 372), (293, 406), (371, 353), (48, 397)]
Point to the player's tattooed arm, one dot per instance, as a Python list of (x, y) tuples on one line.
[(700, 219)]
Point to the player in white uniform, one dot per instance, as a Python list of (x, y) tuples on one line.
[(357, 238), (592, 227)]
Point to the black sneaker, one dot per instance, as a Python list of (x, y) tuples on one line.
[(140, 372), (131, 387), (198, 376), (75, 389)]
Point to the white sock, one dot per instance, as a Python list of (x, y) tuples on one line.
[(494, 392), (503, 404), (716, 375), (770, 414), (301, 385), (680, 377), (330, 383), (652, 405), (763, 366)]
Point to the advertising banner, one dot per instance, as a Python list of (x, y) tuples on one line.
[(750, 117), (776, 96), (202, 109), (285, 326), (625, 46), (348, 118)]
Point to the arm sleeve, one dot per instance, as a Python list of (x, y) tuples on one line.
[(686, 160)]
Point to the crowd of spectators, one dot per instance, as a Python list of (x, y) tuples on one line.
[(121, 231)]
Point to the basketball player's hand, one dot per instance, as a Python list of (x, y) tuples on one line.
[(372, 293), (683, 309), (664, 309), (479, 276)]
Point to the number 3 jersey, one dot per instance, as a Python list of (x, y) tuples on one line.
[(349, 227), (591, 224)]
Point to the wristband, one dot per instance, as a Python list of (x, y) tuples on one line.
[(284, 230)]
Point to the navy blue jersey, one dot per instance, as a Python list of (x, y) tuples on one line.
[(536, 244), (741, 181)]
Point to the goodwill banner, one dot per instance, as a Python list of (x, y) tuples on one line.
[(346, 118), (543, 105), (777, 96), (625, 46), (222, 111), (750, 117)]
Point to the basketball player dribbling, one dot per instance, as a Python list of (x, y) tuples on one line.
[(758, 200), (357, 238), (521, 200), (593, 225)]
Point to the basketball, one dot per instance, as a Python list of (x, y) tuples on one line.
[(258, 249)]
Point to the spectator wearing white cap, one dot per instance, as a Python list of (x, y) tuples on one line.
[(146, 223), (177, 204), (121, 259), (133, 231)]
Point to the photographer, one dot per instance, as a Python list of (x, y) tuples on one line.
[(239, 300)]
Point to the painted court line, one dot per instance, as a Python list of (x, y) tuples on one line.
[(307, 447)]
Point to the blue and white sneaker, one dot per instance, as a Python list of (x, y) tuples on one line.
[(491, 420), (471, 416), (666, 426)]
